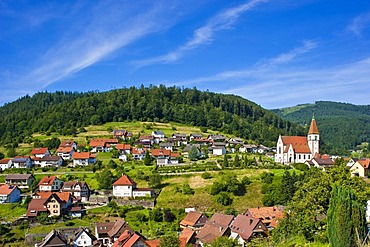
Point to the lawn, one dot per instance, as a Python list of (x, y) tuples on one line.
[(11, 211)]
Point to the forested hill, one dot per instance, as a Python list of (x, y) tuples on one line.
[(342, 126), (67, 112)]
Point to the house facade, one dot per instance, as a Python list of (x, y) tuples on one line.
[(83, 238), (126, 187), (360, 168), (40, 152), (83, 158), (50, 161), (23, 181), (9, 193), (22, 162), (50, 183), (5, 164), (298, 149), (78, 189), (244, 228)]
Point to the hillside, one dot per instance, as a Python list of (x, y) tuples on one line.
[(342, 126), (67, 112)]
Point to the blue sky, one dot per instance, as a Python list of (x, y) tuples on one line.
[(275, 53)]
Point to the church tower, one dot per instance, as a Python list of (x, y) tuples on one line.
[(313, 138)]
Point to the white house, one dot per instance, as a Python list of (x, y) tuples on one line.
[(50, 161), (50, 183), (22, 162), (40, 152), (360, 168), (9, 193), (244, 228), (126, 187), (83, 238), (298, 149), (83, 159), (5, 164), (322, 162), (158, 136), (65, 152), (78, 189)]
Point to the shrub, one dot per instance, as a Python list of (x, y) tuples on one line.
[(206, 175)]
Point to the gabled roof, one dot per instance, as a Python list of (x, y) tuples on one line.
[(6, 189), (36, 206), (269, 215), (124, 180), (128, 239), (54, 238), (65, 149), (82, 155), (299, 143), (67, 144), (104, 228), (222, 219), (246, 225), (210, 231), (122, 146), (191, 218), (83, 230), (18, 176), (21, 159), (70, 185), (365, 163), (47, 180), (313, 127), (97, 143), (161, 152), (138, 151), (186, 236), (51, 158), (118, 228), (36, 151), (5, 161)]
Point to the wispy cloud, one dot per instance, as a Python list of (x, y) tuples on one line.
[(104, 33), (203, 35), (286, 83), (359, 23)]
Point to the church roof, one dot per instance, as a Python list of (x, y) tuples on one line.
[(313, 127), (299, 143)]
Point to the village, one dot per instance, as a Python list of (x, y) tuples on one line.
[(51, 197)]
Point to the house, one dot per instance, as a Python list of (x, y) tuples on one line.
[(65, 152), (5, 164), (187, 237), (194, 220), (351, 161), (53, 239), (49, 203), (235, 141), (83, 159), (244, 228), (261, 149), (138, 153), (210, 231), (49, 161), (23, 181), (146, 140), (179, 139), (76, 211), (78, 189), (195, 136), (218, 148), (119, 134), (248, 148), (109, 232), (50, 183), (124, 148), (9, 193), (22, 162), (216, 138), (322, 162), (126, 187), (69, 143), (164, 157), (166, 146), (223, 220), (102, 145), (158, 136), (83, 238), (130, 238), (188, 147), (40, 152), (298, 149), (360, 168), (270, 216), (64, 197)]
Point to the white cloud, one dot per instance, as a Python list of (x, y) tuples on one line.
[(359, 23), (203, 35)]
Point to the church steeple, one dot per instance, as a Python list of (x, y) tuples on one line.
[(313, 137), (313, 127)]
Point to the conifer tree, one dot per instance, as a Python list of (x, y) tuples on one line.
[(236, 161), (147, 159)]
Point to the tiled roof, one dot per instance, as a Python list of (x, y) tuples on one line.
[(82, 155), (128, 239), (153, 242), (269, 215), (35, 206), (64, 149), (4, 161), (97, 143), (161, 152), (246, 225), (50, 158), (222, 219), (104, 228), (185, 236), (138, 151), (122, 146), (210, 231), (67, 144), (47, 180), (365, 163), (124, 180), (191, 218), (39, 151), (6, 189), (313, 127), (119, 227), (18, 176), (299, 143)]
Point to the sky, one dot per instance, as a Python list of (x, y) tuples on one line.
[(276, 53)]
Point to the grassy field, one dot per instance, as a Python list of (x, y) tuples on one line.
[(11, 211)]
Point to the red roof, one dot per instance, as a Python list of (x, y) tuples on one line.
[(191, 218), (123, 146), (365, 163), (138, 151), (313, 127), (97, 143), (64, 149), (82, 155), (161, 152), (127, 239), (6, 189), (36, 151), (269, 215), (299, 143), (4, 161), (66, 144), (47, 180), (186, 236), (124, 180)]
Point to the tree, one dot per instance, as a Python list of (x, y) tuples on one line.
[(187, 190), (156, 215), (105, 179), (112, 164), (147, 158), (224, 199), (194, 153), (115, 153), (236, 162), (155, 180), (346, 218), (2, 156), (169, 241), (11, 152), (52, 143), (226, 161)]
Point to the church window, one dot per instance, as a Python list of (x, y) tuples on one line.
[(315, 138), (279, 150)]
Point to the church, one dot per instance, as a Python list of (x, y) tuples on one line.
[(298, 149)]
